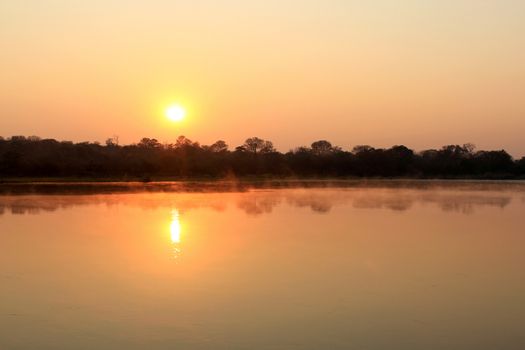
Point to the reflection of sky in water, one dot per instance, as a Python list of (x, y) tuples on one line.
[(281, 269)]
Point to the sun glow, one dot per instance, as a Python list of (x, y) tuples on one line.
[(175, 113)]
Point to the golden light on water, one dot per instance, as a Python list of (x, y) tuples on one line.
[(175, 229)]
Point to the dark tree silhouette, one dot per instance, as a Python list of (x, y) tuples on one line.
[(33, 157), (149, 143), (256, 145), (219, 146), (321, 147)]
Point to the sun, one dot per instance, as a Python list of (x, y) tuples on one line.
[(175, 113)]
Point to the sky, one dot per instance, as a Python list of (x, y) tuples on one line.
[(423, 73)]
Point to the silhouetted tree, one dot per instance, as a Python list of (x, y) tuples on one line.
[(362, 149), (111, 142), (35, 157), (182, 141), (219, 146), (256, 145), (321, 147), (149, 143), (520, 166)]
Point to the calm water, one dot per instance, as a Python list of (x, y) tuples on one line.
[(411, 267)]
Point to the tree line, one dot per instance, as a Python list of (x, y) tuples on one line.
[(34, 157)]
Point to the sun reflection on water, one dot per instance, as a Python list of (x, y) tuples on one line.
[(175, 232)]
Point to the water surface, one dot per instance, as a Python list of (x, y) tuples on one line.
[(345, 267)]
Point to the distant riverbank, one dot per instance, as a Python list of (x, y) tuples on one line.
[(31, 159)]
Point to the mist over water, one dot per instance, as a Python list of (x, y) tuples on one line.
[(354, 265)]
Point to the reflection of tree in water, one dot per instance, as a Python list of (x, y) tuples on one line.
[(448, 202), (321, 202), (468, 205), (321, 207), (263, 202), (396, 203), (257, 205), (19, 205)]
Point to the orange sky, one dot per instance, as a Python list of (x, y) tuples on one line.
[(421, 73)]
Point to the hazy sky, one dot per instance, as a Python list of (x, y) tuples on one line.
[(421, 73)]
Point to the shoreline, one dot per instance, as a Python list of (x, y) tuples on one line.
[(45, 186), (245, 179)]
